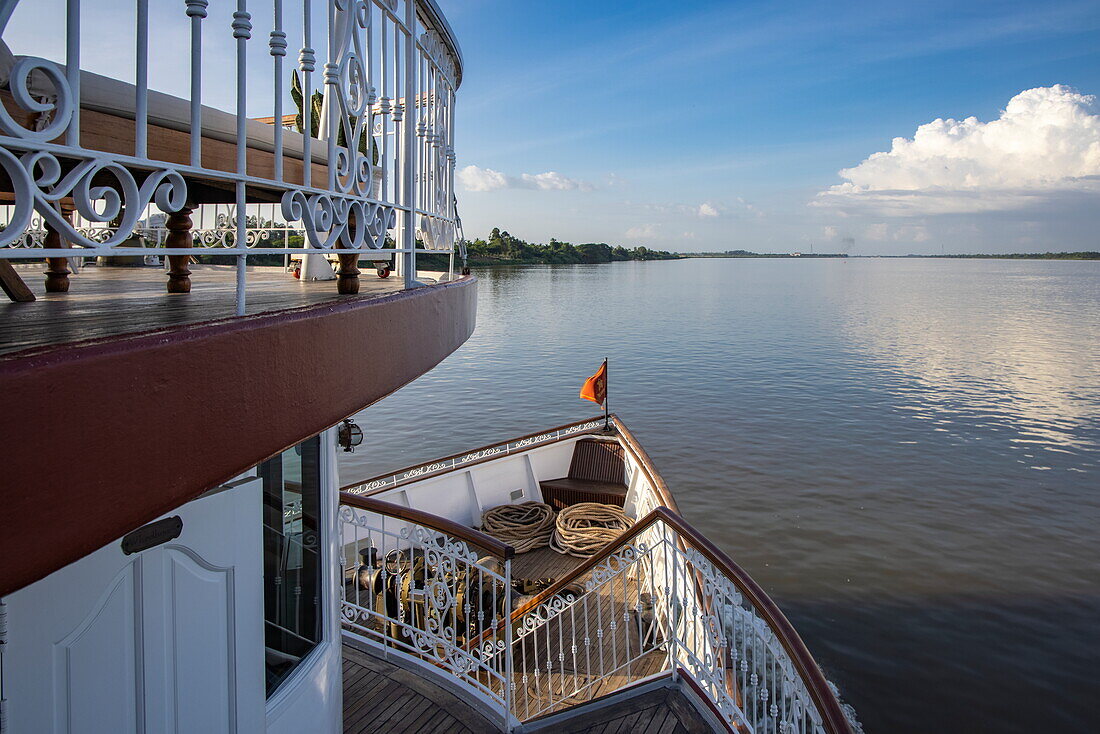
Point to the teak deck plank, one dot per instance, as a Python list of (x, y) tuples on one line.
[(407, 704), (420, 722), (663, 723), (377, 707), (663, 710), (361, 688), (381, 696), (113, 301), (541, 563)]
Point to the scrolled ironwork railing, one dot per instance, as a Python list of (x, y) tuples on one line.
[(428, 588), (662, 600), (396, 479), (369, 165)]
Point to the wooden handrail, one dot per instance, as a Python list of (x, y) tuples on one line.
[(428, 520), (479, 449), (645, 463), (826, 702), (589, 563)]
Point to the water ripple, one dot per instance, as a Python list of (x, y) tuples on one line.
[(903, 452)]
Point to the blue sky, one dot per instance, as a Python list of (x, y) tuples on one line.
[(865, 127), (718, 125)]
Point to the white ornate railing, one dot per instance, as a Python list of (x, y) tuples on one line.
[(421, 471), (662, 600), (93, 159), (414, 587), (656, 604)]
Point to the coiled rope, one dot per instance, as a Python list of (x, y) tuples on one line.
[(584, 529), (525, 526)]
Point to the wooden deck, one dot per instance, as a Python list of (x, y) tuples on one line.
[(543, 563), (665, 710), (382, 696), (112, 301), (392, 696)]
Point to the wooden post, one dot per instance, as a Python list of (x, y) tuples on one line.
[(179, 225), (12, 285), (347, 276), (57, 268)]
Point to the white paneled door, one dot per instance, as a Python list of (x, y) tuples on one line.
[(168, 639)]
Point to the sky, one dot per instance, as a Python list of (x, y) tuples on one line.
[(858, 127), (863, 127)]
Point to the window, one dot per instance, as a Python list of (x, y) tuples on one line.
[(292, 558)]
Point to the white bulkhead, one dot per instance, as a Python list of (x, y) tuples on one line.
[(198, 633)]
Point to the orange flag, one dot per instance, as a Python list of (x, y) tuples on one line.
[(595, 387)]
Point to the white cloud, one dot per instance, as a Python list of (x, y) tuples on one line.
[(882, 232), (552, 181), (476, 178), (1046, 142), (705, 210), (644, 231)]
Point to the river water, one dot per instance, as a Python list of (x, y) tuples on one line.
[(904, 453)]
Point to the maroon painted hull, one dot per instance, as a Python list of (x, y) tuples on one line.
[(103, 436)]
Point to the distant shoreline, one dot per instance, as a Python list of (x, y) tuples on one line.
[(486, 262), (1087, 255), (746, 254), (1008, 256), (504, 248)]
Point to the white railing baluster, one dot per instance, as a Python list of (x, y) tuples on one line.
[(72, 69), (242, 32), (328, 125), (384, 105), (373, 85), (408, 184), (141, 84), (306, 62), (196, 11), (277, 44)]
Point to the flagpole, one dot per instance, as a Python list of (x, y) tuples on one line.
[(606, 397)]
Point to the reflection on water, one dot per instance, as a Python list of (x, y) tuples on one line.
[(903, 452), (994, 349)]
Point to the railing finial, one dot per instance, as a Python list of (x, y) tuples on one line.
[(278, 48), (197, 8), (242, 24)]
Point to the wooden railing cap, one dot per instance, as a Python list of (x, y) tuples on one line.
[(435, 522)]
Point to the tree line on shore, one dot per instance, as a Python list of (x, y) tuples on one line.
[(503, 248)]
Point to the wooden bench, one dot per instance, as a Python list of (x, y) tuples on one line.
[(597, 473)]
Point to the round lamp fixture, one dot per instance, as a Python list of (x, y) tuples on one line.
[(349, 435)]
